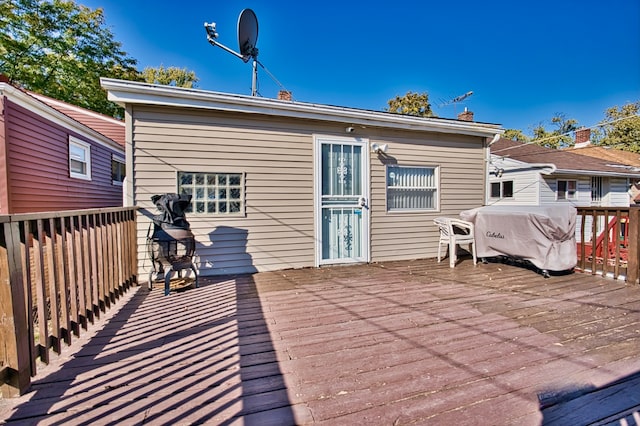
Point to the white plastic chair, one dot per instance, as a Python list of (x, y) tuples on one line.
[(452, 233)]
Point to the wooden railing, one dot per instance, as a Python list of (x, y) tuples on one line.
[(608, 241), (58, 272)]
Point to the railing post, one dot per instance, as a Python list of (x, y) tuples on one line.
[(634, 245), (15, 364)]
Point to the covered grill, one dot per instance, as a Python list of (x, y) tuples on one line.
[(171, 246), (543, 236)]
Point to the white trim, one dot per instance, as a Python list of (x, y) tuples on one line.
[(318, 140), (597, 173), (49, 113), (86, 147), (128, 92)]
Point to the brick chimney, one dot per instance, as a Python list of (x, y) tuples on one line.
[(284, 95), (583, 137), (465, 115)]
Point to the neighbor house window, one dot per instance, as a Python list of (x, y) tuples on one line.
[(412, 188), (567, 190), (502, 189), (597, 190), (213, 193), (79, 159), (117, 170)]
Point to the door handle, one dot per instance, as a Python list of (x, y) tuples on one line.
[(362, 202)]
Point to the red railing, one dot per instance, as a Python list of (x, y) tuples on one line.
[(608, 241)]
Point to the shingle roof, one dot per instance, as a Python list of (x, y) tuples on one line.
[(564, 160), (105, 125), (609, 154)]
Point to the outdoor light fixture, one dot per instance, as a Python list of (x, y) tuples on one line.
[(499, 172), (379, 149)]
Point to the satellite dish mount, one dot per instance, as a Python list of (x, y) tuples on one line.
[(247, 38)]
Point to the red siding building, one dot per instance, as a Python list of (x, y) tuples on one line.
[(56, 156)]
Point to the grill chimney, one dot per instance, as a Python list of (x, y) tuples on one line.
[(284, 95), (466, 115)]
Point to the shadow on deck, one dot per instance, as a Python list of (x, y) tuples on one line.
[(197, 356), (411, 342)]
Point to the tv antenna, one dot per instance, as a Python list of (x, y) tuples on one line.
[(456, 100), (247, 38)]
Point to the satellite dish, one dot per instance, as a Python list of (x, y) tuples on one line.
[(247, 38), (247, 34)]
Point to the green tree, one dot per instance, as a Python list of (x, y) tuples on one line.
[(515, 135), (561, 137), (416, 104), (61, 49), (621, 127), (171, 76)]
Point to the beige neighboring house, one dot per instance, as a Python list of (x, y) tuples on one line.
[(631, 160), (280, 184)]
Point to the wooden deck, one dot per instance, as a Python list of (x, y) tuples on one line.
[(384, 344)]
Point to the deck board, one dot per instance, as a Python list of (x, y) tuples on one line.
[(412, 342)]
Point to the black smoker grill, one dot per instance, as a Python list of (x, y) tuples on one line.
[(171, 246)]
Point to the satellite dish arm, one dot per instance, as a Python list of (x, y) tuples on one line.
[(211, 38)]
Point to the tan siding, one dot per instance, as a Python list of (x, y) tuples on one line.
[(412, 235), (277, 231), (277, 157)]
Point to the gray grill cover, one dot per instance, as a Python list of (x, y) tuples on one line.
[(543, 235)]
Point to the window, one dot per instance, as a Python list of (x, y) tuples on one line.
[(502, 189), (507, 189), (411, 188), (117, 170), (79, 159), (597, 190), (567, 190), (213, 193)]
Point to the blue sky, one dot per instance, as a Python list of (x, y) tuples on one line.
[(524, 61)]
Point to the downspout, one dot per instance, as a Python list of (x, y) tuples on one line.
[(487, 161), (128, 186)]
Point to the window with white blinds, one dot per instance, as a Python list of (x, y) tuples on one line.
[(412, 188)]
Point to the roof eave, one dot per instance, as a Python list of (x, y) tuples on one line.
[(597, 173), (128, 92)]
